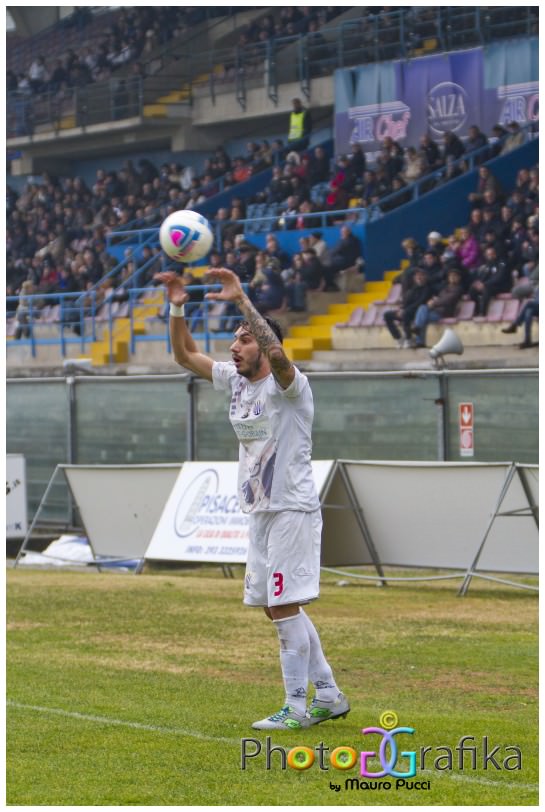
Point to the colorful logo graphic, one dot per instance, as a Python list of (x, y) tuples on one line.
[(389, 730), (183, 237)]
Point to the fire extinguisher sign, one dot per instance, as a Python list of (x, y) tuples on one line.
[(466, 426)]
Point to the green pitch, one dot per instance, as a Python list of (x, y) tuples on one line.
[(138, 690)]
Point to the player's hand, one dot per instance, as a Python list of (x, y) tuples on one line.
[(231, 290), (176, 291)]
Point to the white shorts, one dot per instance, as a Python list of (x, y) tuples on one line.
[(283, 564)]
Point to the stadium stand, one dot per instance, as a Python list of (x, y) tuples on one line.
[(89, 249)]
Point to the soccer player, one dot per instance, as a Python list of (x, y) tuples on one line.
[(271, 412)]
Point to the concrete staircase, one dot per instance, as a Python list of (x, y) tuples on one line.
[(305, 339)]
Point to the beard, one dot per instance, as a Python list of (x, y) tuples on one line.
[(253, 367)]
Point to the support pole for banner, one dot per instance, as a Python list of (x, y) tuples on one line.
[(534, 510), (471, 570), (362, 524), (22, 549)]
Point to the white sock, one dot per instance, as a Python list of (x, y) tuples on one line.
[(294, 656), (319, 670)]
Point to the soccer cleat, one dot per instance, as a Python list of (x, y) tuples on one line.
[(321, 711), (285, 719)]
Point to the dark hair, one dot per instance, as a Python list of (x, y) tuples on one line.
[(275, 327)]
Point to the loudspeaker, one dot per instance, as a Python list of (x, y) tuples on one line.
[(449, 343)]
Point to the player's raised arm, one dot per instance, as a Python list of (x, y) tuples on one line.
[(281, 367), (183, 346)]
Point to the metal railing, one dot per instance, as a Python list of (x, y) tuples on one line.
[(66, 319), (402, 415), (375, 37)]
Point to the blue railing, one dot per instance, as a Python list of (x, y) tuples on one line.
[(85, 314)]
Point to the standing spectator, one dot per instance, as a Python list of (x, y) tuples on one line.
[(343, 255), (300, 126)]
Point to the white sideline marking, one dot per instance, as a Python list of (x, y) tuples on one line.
[(193, 734), (105, 720), (476, 779)]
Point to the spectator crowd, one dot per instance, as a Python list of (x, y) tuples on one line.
[(57, 230)]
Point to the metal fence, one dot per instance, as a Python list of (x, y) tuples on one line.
[(171, 418), (376, 36)]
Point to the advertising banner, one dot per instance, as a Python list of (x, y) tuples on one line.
[(435, 94), (16, 497), (202, 520)]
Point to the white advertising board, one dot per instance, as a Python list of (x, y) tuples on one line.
[(16, 497), (202, 520)]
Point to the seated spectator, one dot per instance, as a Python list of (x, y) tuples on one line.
[(441, 306), (491, 278), (305, 208), (452, 146), (417, 294), (515, 138), (288, 215), (317, 243), (270, 295), (357, 163), (453, 169), (528, 313), (312, 270), (296, 288), (431, 150), (486, 180), (273, 251), (434, 242), (469, 251), (476, 140), (431, 264), (279, 188), (415, 165), (497, 139)]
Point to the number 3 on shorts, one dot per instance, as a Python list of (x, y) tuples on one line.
[(279, 584)]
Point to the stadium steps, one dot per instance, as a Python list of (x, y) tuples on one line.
[(121, 338), (317, 334), (159, 108)]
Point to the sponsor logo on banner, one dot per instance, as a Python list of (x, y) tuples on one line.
[(374, 122), (16, 497), (520, 102), (447, 107)]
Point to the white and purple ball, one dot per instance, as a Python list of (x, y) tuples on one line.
[(186, 236)]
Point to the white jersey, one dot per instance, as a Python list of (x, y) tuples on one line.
[(274, 428)]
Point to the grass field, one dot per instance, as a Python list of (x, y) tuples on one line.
[(137, 690)]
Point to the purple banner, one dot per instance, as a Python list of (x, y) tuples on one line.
[(433, 94)]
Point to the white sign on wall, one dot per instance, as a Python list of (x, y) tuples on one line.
[(202, 520), (16, 497)]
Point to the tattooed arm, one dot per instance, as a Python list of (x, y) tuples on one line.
[(281, 367)]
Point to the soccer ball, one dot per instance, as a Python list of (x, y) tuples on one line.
[(186, 236)]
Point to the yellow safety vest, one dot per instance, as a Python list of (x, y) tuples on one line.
[(296, 126)]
